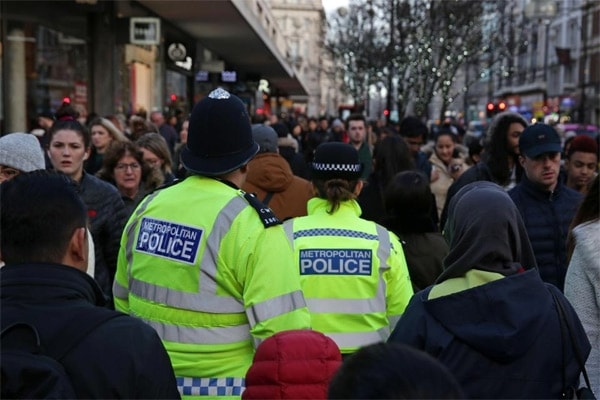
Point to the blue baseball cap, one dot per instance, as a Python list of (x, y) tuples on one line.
[(538, 139)]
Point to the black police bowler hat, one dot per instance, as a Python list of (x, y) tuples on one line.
[(335, 160), (219, 136)]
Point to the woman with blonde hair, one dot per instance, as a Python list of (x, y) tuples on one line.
[(103, 133), (447, 163), (157, 154)]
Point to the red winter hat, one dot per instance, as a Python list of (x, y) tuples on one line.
[(295, 364)]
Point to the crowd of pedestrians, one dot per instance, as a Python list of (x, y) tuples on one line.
[(292, 257)]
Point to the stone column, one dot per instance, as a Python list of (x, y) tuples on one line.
[(16, 83)]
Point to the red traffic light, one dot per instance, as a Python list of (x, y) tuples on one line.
[(66, 100), (173, 97), (502, 106), (386, 112), (490, 106)]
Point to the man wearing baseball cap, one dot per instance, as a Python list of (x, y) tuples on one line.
[(546, 205), (206, 264)]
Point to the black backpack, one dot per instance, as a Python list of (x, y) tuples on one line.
[(32, 369)]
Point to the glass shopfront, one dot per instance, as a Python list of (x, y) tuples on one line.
[(44, 59)]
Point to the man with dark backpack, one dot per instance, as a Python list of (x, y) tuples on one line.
[(57, 340)]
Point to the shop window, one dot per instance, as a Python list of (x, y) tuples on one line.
[(60, 69)]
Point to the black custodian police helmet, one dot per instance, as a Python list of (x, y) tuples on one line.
[(220, 135)]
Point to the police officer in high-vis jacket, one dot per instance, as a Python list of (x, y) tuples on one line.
[(352, 271), (207, 265)]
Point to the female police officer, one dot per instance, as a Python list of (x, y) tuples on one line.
[(352, 271)]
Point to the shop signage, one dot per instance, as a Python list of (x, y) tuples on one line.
[(186, 64), (80, 92), (177, 52), (228, 76), (202, 76), (144, 30), (212, 66)]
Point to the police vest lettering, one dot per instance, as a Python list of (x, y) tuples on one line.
[(335, 262), (169, 240)]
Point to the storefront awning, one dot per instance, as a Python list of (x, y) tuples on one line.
[(232, 30)]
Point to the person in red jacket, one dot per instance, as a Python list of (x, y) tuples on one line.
[(295, 364)]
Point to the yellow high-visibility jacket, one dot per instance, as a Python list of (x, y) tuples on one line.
[(197, 263), (352, 271)]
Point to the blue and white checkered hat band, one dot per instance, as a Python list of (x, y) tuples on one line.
[(325, 167), (210, 386)]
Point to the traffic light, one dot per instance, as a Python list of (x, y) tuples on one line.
[(494, 108), (490, 109)]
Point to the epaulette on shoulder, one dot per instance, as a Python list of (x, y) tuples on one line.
[(265, 214), (166, 185)]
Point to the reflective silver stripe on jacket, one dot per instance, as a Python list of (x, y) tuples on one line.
[(195, 335), (202, 302), (385, 247), (346, 306), (384, 251), (393, 320), (276, 306), (119, 291), (359, 339), (288, 227)]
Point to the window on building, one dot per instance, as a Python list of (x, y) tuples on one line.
[(535, 51), (569, 74), (294, 44), (57, 67)]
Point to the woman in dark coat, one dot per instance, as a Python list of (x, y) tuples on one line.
[(489, 317), (409, 205), (390, 156)]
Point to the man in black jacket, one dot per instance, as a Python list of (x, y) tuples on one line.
[(546, 205), (44, 244)]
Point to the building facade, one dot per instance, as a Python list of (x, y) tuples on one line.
[(554, 70), (547, 66), (127, 57), (303, 22)]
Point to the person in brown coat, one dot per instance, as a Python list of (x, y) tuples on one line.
[(271, 179)]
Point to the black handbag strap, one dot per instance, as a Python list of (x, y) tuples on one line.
[(267, 198), (566, 394), (564, 323)]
